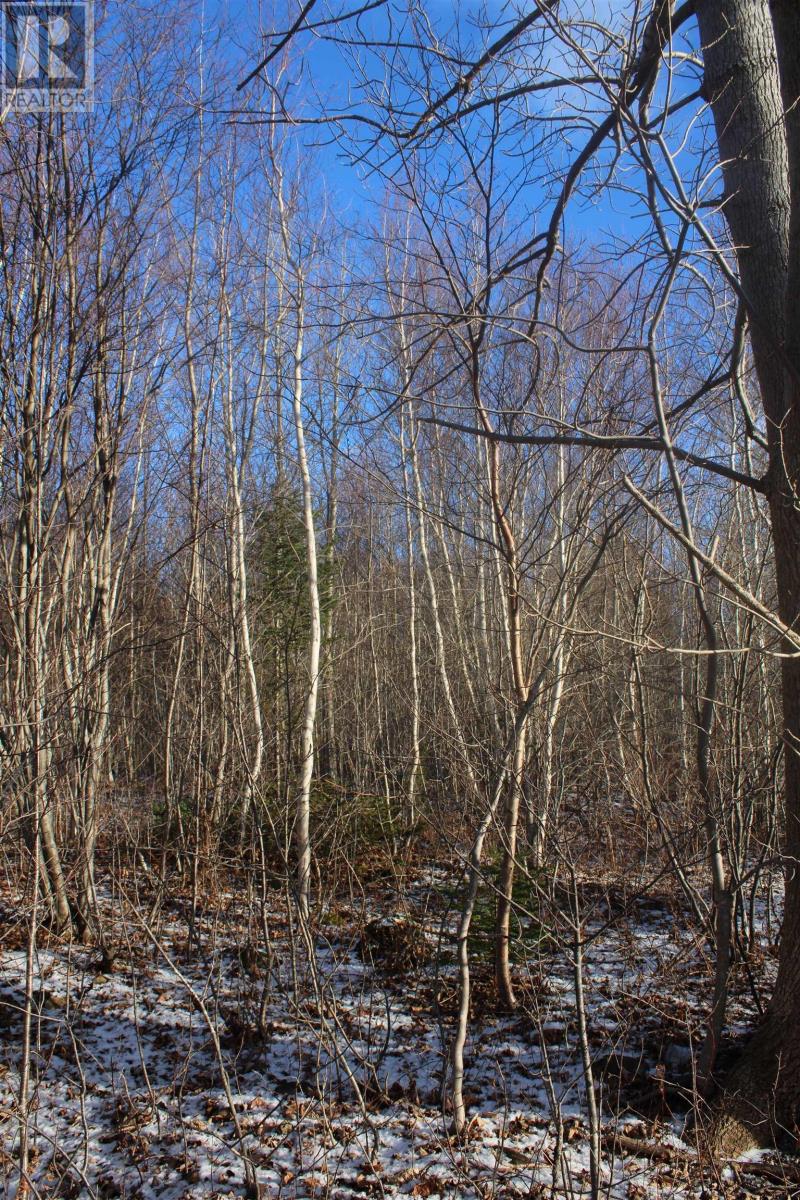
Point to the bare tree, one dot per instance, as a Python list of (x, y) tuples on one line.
[(752, 83)]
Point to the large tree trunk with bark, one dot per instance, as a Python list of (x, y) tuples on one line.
[(752, 80)]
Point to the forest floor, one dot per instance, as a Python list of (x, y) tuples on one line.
[(158, 1074)]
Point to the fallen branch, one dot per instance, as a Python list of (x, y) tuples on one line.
[(658, 1152), (654, 1151)]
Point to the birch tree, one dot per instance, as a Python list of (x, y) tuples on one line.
[(628, 93)]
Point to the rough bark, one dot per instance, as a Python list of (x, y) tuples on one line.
[(759, 153)]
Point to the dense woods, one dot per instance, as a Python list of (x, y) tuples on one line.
[(400, 607)]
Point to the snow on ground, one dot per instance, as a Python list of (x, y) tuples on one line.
[(136, 1067)]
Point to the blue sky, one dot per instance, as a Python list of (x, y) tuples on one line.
[(325, 79), (230, 32)]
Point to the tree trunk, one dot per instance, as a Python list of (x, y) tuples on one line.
[(760, 153), (505, 883), (303, 818)]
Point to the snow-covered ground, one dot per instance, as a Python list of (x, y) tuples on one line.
[(151, 1077)]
